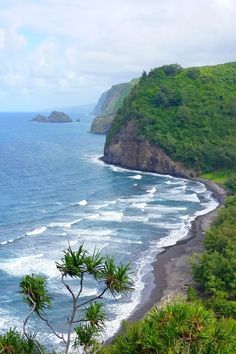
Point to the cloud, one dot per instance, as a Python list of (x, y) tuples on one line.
[(69, 51)]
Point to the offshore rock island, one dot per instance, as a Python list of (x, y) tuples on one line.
[(54, 117)]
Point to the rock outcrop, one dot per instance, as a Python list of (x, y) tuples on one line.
[(40, 118), (101, 125), (130, 150), (54, 117), (107, 106)]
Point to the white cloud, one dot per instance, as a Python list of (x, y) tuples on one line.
[(72, 50)]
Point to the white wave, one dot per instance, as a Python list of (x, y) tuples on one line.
[(198, 188), (135, 177), (7, 320), (65, 225), (210, 206), (20, 266), (100, 206), (7, 241), (92, 217), (174, 236), (37, 231), (165, 225), (139, 205), (184, 197), (152, 191), (82, 203), (117, 169), (111, 216), (136, 218)]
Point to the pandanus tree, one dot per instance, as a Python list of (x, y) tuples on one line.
[(87, 317)]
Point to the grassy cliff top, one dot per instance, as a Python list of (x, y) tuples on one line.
[(191, 113)]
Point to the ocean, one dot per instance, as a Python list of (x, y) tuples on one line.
[(55, 191)]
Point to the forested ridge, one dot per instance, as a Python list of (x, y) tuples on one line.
[(190, 113)]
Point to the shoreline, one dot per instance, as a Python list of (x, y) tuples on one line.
[(171, 268)]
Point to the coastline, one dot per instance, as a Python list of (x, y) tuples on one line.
[(171, 268)]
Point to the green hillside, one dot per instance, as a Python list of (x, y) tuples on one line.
[(191, 113)]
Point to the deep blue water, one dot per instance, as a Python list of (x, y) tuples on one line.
[(54, 190)]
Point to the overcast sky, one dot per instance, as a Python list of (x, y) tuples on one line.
[(67, 52)]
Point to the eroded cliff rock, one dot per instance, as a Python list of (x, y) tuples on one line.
[(130, 150), (101, 125)]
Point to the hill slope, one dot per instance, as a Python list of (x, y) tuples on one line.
[(189, 114)]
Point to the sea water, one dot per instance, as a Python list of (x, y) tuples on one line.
[(55, 191)]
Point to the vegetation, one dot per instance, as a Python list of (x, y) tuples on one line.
[(180, 328), (190, 113), (215, 269), (87, 318)]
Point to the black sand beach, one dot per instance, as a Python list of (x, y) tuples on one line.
[(171, 267)]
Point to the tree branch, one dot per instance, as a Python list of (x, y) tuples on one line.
[(25, 323), (52, 329), (67, 287), (93, 299)]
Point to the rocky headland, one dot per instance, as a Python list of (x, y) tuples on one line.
[(130, 150), (107, 106)]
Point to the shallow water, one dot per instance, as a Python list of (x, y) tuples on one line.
[(54, 190)]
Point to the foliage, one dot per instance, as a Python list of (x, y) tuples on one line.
[(33, 289), (190, 113), (215, 269), (87, 319), (13, 342), (177, 328)]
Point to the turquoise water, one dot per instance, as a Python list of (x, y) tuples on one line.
[(54, 190)]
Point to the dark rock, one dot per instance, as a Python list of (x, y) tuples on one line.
[(55, 117), (101, 125), (130, 150), (59, 117), (40, 118)]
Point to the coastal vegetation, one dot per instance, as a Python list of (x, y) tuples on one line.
[(190, 113)]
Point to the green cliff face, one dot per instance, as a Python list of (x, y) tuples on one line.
[(190, 114), (108, 104)]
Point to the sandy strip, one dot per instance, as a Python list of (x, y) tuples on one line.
[(171, 268)]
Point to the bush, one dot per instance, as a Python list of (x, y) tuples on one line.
[(177, 328)]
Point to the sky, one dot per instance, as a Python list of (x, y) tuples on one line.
[(56, 53)]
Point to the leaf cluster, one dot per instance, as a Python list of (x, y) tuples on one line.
[(34, 291), (12, 342), (177, 328)]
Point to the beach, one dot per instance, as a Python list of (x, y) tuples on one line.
[(171, 269)]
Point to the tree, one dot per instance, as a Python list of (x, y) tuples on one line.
[(87, 318)]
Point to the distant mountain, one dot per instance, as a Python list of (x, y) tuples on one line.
[(108, 104)]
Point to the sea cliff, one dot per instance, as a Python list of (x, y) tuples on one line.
[(177, 121), (107, 106), (128, 149)]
